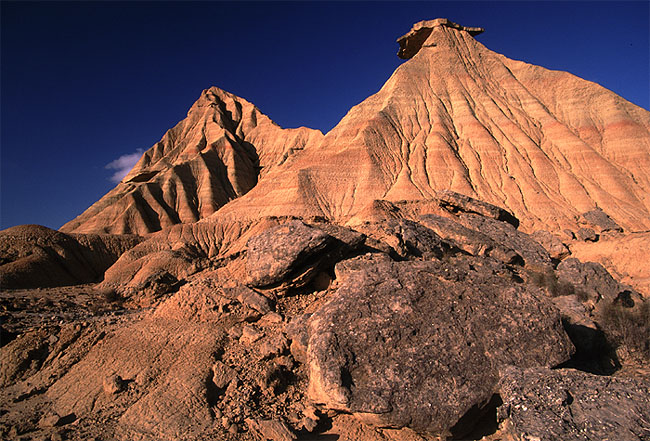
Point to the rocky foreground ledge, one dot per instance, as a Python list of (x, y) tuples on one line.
[(420, 320)]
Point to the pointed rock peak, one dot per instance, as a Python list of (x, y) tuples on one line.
[(410, 43)]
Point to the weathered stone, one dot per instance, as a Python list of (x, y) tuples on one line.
[(599, 219), (408, 239), (593, 353), (49, 419), (592, 279), (273, 346), (253, 300), (551, 243), (412, 42), (273, 430), (250, 334), (113, 384), (290, 252), (468, 240), (566, 404), (222, 375), (419, 344), (456, 202), (508, 237), (586, 235), (352, 239), (272, 317)]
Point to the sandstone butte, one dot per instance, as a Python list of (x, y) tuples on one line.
[(544, 144), (409, 276)]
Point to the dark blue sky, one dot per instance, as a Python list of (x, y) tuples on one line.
[(84, 83)]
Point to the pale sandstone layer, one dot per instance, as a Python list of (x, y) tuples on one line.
[(545, 144)]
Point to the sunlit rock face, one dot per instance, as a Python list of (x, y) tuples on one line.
[(544, 144), (216, 154)]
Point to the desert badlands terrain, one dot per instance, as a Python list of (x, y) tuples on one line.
[(462, 257)]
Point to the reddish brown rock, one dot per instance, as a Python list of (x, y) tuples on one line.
[(419, 344), (33, 256)]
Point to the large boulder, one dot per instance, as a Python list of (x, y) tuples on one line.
[(420, 344), (595, 283), (291, 254)]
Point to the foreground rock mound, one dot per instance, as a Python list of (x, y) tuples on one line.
[(419, 344), (401, 328)]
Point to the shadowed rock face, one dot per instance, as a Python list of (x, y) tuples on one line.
[(32, 256)]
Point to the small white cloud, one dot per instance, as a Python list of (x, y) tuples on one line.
[(123, 165)]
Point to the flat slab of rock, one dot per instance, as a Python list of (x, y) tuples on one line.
[(283, 253), (418, 344), (601, 220), (508, 236), (469, 240), (565, 404), (273, 430), (456, 202)]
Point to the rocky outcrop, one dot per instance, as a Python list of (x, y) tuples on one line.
[(420, 344), (373, 283), (455, 202), (290, 255), (405, 323), (33, 256), (552, 244), (594, 281), (599, 219), (412, 42)]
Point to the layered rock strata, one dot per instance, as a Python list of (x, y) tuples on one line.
[(546, 145)]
